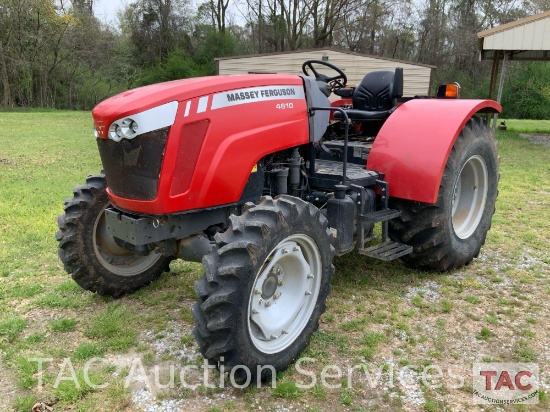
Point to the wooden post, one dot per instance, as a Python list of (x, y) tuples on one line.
[(501, 84), (494, 73)]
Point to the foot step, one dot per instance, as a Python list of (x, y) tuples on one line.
[(380, 215), (387, 250)]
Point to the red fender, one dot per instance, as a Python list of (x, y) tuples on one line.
[(413, 145)]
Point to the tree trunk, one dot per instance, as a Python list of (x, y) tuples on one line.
[(7, 100)]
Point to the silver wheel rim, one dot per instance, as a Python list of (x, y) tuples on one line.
[(470, 195), (116, 259), (284, 294)]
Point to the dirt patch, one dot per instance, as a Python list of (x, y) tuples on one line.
[(537, 138), (8, 391)]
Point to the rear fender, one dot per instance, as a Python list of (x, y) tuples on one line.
[(413, 145)]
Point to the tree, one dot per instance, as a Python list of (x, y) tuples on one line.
[(155, 27), (433, 33), (326, 15), (219, 12), (85, 7), (527, 91), (55, 53)]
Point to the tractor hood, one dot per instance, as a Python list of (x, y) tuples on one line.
[(161, 100)]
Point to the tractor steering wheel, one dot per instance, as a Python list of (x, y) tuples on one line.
[(334, 83)]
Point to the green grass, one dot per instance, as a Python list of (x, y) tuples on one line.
[(43, 313), (11, 328), (431, 406), (114, 326), (72, 390), (527, 126), (484, 334), (370, 341), (63, 325), (446, 306), (25, 403), (287, 390), (473, 300), (86, 351)]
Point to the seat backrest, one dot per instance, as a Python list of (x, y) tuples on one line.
[(379, 90)]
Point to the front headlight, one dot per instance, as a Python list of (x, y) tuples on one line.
[(115, 132), (143, 122), (129, 128)]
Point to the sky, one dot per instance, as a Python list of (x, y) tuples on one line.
[(106, 10)]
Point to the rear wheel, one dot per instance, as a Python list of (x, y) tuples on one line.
[(265, 287), (450, 233), (94, 258)]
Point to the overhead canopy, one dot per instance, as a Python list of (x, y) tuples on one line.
[(525, 39)]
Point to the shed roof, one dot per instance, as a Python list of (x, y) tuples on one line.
[(526, 39)]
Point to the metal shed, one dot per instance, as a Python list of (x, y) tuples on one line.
[(524, 39), (417, 77)]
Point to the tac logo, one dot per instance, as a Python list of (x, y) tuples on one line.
[(506, 383)]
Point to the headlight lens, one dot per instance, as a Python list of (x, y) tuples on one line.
[(129, 128), (115, 132)]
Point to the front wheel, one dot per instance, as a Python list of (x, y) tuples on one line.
[(265, 287), (450, 233), (94, 258)]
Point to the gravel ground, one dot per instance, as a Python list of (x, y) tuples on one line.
[(537, 138), (429, 292), (168, 343), (408, 388), (459, 338)]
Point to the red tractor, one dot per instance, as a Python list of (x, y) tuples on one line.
[(264, 180)]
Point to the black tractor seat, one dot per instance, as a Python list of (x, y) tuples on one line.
[(376, 96)]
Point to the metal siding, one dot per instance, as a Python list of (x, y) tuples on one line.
[(546, 35), (499, 41), (496, 41), (507, 39), (518, 38), (530, 36), (538, 35), (417, 78)]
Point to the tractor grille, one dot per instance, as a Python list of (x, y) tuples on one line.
[(132, 167)]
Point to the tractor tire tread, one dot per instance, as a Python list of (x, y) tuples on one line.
[(421, 225), (74, 252), (220, 290)]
